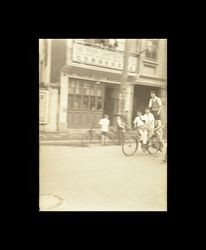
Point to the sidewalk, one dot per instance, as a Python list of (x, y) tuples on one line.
[(80, 139)]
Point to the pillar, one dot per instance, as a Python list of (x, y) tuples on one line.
[(48, 67), (163, 96), (52, 111), (129, 103), (63, 104)]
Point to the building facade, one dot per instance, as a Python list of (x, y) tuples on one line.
[(81, 80)]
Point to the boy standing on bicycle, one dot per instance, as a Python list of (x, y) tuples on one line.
[(139, 123), (104, 128)]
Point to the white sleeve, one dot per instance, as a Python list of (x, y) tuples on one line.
[(150, 103), (100, 122), (152, 117)]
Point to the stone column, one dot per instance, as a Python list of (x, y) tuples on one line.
[(63, 104), (53, 109), (129, 103), (163, 96), (48, 67)]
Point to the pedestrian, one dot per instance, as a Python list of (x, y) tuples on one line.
[(139, 124), (155, 104), (120, 129), (165, 157), (159, 133), (149, 123), (104, 122)]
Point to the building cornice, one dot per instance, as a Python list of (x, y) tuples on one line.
[(152, 77)]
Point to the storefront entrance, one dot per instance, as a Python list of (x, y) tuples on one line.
[(88, 101), (85, 103), (142, 97)]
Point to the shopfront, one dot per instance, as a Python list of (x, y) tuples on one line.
[(88, 101)]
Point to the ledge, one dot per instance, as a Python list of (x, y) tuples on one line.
[(150, 63)]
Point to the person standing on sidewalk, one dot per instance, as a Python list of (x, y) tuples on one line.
[(104, 122), (155, 105), (120, 129), (159, 132)]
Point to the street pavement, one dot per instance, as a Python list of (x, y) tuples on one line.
[(101, 178)]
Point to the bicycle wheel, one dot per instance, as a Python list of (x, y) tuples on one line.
[(130, 146), (113, 137), (153, 145)]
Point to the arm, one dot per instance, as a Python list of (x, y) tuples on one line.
[(160, 104), (119, 122), (159, 125), (135, 121), (150, 103)]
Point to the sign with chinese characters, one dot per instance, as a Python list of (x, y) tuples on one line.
[(102, 57), (43, 106)]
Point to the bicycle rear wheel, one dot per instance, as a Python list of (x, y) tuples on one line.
[(130, 146), (153, 145)]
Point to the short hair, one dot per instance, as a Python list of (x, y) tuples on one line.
[(153, 92), (147, 108)]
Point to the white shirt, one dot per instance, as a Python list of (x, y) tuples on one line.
[(155, 99), (149, 118), (138, 121), (105, 124)]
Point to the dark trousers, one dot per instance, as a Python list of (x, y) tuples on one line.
[(120, 136)]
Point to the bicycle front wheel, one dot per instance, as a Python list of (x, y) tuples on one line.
[(130, 146)]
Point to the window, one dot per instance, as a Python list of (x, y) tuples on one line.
[(151, 49), (99, 103), (71, 101), (77, 103), (92, 103), (85, 95), (85, 102)]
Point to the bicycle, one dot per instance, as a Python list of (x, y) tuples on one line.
[(131, 143), (94, 133)]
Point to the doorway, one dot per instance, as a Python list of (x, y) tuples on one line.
[(141, 98), (110, 103)]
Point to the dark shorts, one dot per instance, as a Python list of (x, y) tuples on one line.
[(156, 116), (104, 133)]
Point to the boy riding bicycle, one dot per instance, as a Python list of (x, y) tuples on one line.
[(139, 123)]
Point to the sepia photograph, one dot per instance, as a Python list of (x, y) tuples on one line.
[(103, 124)]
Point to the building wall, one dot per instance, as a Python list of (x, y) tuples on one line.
[(58, 58), (59, 53), (154, 74)]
